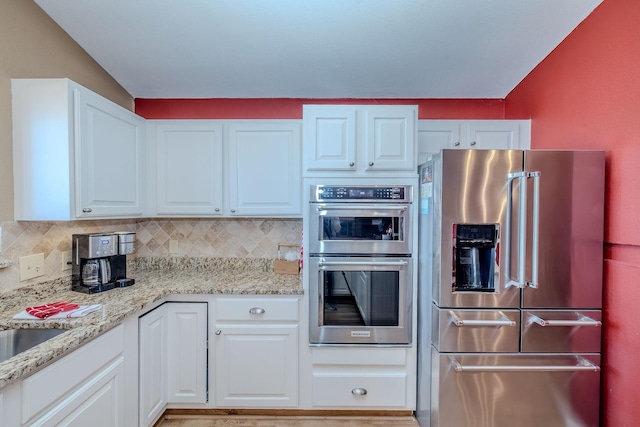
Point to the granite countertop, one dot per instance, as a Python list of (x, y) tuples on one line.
[(156, 278)]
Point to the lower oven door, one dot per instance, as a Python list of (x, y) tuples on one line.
[(360, 300), (524, 390)]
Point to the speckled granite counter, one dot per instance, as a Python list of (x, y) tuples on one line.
[(156, 278)]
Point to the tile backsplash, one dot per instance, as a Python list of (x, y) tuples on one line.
[(215, 238)]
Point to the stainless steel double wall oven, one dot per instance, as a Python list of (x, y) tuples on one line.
[(360, 264)]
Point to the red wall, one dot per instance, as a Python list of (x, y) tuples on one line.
[(288, 108), (586, 94)]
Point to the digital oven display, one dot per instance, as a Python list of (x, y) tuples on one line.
[(361, 193)]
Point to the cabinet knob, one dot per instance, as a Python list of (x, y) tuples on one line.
[(370, 163), (472, 143), (359, 391), (217, 209), (87, 210), (352, 164), (456, 144), (233, 211), (257, 310), (218, 331)]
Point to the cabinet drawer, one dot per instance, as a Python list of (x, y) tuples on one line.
[(236, 309), (350, 356), (56, 381), (359, 390), (476, 330)]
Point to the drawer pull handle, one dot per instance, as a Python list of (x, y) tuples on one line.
[(581, 365), (359, 391), (503, 321), (581, 321), (257, 310), (87, 210)]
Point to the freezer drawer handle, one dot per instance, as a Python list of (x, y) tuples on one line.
[(581, 321), (583, 365), (503, 321)]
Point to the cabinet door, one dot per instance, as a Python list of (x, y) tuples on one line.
[(493, 134), (434, 135), (98, 403), (390, 137), (187, 352), (256, 365), (187, 157), (153, 365), (264, 168), (108, 158), (329, 138)]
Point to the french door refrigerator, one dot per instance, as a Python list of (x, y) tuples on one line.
[(510, 288)]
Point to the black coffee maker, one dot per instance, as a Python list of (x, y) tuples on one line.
[(99, 261)]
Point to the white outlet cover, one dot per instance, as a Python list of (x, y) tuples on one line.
[(66, 260), (31, 266)]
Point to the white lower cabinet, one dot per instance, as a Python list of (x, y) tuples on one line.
[(256, 352), (152, 365), (362, 378), (173, 358), (187, 352), (84, 388)]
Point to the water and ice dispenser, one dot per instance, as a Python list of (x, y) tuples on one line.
[(474, 257)]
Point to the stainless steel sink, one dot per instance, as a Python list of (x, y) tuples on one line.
[(14, 341)]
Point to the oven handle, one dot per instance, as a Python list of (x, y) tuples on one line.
[(396, 263), (582, 365), (340, 207)]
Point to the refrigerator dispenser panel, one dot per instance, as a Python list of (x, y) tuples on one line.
[(474, 254)]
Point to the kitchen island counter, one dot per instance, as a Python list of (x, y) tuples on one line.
[(156, 279)]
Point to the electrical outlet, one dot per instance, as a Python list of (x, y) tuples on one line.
[(31, 266), (173, 246), (66, 260)]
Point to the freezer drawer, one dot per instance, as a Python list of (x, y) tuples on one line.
[(561, 331), (475, 330), (506, 390)]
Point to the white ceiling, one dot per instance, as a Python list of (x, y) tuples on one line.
[(318, 48)]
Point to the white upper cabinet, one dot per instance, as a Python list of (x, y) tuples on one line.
[(186, 167), (208, 168), (265, 176), (76, 155), (329, 138), (434, 135), (359, 139)]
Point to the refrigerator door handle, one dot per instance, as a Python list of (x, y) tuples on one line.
[(503, 321), (582, 365), (535, 229), (581, 321), (522, 235)]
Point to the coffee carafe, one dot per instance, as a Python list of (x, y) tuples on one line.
[(98, 264)]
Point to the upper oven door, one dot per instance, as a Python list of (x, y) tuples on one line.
[(360, 228)]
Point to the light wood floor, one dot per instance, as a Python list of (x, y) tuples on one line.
[(170, 420)]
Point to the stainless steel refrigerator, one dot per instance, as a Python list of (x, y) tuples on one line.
[(510, 288)]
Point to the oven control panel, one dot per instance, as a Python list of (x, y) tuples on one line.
[(322, 193)]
